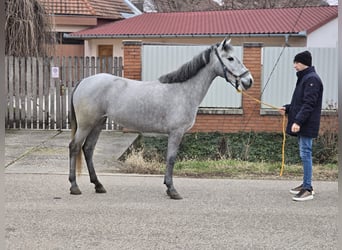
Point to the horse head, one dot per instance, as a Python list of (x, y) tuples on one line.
[(231, 67)]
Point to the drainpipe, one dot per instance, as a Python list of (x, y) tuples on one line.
[(287, 40), (135, 10)]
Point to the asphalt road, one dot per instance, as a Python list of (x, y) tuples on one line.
[(136, 213)]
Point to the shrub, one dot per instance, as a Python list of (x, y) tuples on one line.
[(253, 147)]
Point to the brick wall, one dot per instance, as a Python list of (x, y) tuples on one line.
[(132, 59), (251, 118)]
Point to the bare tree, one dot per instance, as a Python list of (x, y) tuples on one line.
[(28, 29), (267, 4)]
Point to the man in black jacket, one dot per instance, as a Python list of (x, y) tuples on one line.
[(304, 114)]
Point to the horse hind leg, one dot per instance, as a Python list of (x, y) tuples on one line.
[(75, 156), (88, 150)]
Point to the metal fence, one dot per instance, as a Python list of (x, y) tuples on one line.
[(154, 64), (38, 89), (278, 75)]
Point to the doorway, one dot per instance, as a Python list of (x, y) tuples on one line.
[(105, 53)]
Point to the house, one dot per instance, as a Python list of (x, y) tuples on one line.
[(74, 15), (253, 29), (297, 27)]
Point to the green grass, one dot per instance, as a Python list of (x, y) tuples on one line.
[(227, 168)]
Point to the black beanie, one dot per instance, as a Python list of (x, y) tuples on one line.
[(304, 58)]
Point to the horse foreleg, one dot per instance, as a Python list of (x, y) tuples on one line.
[(172, 148), (88, 150), (74, 153)]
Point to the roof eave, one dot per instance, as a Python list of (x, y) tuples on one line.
[(299, 34)]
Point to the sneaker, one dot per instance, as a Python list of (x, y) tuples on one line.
[(303, 195), (296, 190)]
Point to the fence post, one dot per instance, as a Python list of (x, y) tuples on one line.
[(7, 92), (52, 96)]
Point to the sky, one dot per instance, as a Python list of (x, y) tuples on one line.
[(331, 2)]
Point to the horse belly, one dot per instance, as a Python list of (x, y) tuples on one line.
[(140, 119), (156, 118)]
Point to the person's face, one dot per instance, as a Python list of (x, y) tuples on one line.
[(299, 66)]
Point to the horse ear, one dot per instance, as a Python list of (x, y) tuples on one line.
[(225, 43)]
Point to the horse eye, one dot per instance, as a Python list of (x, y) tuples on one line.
[(230, 58)]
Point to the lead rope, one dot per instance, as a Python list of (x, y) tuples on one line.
[(283, 129)]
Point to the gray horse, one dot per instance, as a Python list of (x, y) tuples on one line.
[(168, 105)]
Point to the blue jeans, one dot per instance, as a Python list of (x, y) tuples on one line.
[(305, 152)]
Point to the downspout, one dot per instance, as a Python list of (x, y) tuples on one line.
[(287, 40), (135, 10)]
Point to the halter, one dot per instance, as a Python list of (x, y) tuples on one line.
[(227, 71)]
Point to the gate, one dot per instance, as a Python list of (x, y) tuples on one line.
[(38, 89)]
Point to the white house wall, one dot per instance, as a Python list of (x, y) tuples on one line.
[(68, 28), (325, 36), (279, 76), (91, 46), (162, 59)]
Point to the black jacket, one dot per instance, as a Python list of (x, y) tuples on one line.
[(306, 104)]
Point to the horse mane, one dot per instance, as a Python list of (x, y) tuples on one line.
[(189, 69)]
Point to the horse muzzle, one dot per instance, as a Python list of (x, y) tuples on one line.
[(246, 82)]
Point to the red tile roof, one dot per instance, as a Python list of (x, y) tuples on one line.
[(252, 21), (100, 8)]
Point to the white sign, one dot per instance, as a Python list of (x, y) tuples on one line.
[(55, 72)]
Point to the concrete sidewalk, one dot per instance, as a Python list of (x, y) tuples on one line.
[(136, 213), (36, 151)]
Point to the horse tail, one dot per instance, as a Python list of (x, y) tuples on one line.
[(73, 125)]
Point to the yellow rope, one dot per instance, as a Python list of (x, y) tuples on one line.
[(284, 133)]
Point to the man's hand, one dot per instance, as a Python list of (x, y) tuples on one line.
[(282, 110), (295, 128)]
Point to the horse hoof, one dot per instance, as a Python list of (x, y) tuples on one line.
[(75, 191), (100, 190), (174, 195)]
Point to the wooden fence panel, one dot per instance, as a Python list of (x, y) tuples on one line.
[(22, 90), (52, 94), (6, 89), (46, 92), (63, 92), (16, 92), (38, 101), (86, 67), (40, 92), (34, 92), (10, 117), (29, 93), (92, 66)]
